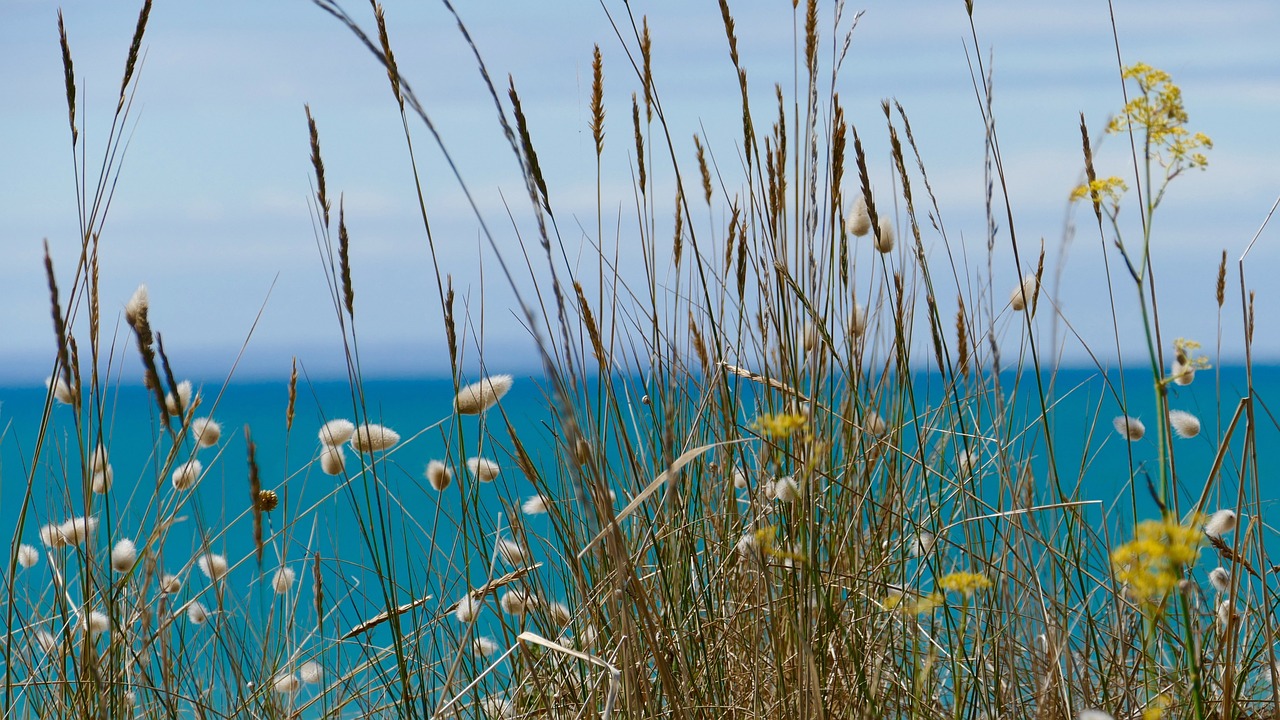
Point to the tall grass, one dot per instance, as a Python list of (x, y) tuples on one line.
[(784, 474)]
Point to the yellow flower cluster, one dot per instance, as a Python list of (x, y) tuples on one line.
[(766, 540), (1106, 191), (1152, 563), (1159, 112), (910, 603), (965, 583), (780, 426)]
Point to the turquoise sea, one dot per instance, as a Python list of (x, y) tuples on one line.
[(317, 514)]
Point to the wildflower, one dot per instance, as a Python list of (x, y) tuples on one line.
[(101, 481), (785, 489), (1220, 523), (137, 305), (282, 581), (857, 321), (170, 584), (180, 405), (1220, 579), (511, 552), (197, 613), (559, 613), (371, 437), (310, 673), (884, 238), (285, 683), (780, 426), (965, 583), (62, 392), (739, 479), (484, 469), (186, 475), (78, 529), (468, 608), (28, 556), (485, 646), (1185, 425), (332, 460), (536, 505), (213, 566), (1151, 564), (124, 555), (98, 460), (336, 432), (480, 396), (922, 544), (859, 222), (910, 603), (206, 431), (439, 475), (94, 623), (51, 535), (1024, 296), (1130, 427), (515, 602)]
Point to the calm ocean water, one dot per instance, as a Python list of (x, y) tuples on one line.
[(1087, 450)]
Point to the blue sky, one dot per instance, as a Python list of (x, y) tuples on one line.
[(212, 206)]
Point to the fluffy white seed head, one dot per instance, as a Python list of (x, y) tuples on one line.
[(511, 552), (786, 489), (336, 432), (480, 396), (78, 530), (332, 460), (371, 437), (857, 321), (51, 535), (124, 555), (747, 545), (197, 613), (47, 641), (1220, 579), (213, 566), (468, 608), (922, 544), (137, 305), (62, 392), (186, 475), (885, 238), (858, 223), (1024, 296), (206, 431), (94, 623), (1228, 615), (484, 469), (874, 424), (1131, 428), (184, 398), (559, 613), (967, 461), (98, 460), (311, 673), (285, 683), (1220, 523), (282, 581), (515, 602), (170, 583), (497, 707), (485, 646), (1184, 424), (739, 479), (1094, 715), (536, 505), (439, 476), (101, 481), (28, 556)]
